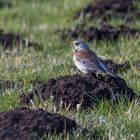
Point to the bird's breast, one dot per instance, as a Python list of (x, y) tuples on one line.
[(79, 64)]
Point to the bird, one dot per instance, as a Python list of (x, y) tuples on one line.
[(87, 61)]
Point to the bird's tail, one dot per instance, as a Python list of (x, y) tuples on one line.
[(112, 74), (105, 69)]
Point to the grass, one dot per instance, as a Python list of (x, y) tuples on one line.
[(37, 20)]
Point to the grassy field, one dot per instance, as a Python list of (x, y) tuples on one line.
[(37, 20)]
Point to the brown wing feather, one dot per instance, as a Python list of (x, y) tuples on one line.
[(94, 61), (89, 57)]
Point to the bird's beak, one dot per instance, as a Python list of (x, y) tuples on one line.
[(72, 43)]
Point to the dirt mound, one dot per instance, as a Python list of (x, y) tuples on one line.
[(8, 40), (104, 32), (86, 90), (117, 67), (23, 124), (106, 9)]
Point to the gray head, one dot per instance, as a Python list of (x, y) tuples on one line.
[(79, 45)]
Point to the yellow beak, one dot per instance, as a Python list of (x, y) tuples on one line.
[(72, 42)]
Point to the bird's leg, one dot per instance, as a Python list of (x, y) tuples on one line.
[(97, 73)]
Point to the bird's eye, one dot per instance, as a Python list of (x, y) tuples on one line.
[(77, 43)]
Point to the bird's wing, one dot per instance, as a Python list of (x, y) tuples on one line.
[(90, 59), (102, 65), (98, 63), (106, 69)]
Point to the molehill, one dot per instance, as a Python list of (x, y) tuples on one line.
[(87, 90), (27, 124)]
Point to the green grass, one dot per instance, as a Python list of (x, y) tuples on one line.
[(37, 20)]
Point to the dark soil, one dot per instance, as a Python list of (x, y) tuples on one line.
[(27, 124), (105, 32), (87, 90), (117, 67), (9, 84), (8, 40), (106, 9)]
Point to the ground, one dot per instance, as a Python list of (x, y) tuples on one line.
[(38, 21)]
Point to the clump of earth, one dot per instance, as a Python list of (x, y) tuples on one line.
[(103, 11), (9, 39), (104, 32), (27, 124), (87, 90), (108, 9)]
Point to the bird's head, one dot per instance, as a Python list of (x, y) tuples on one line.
[(79, 45)]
